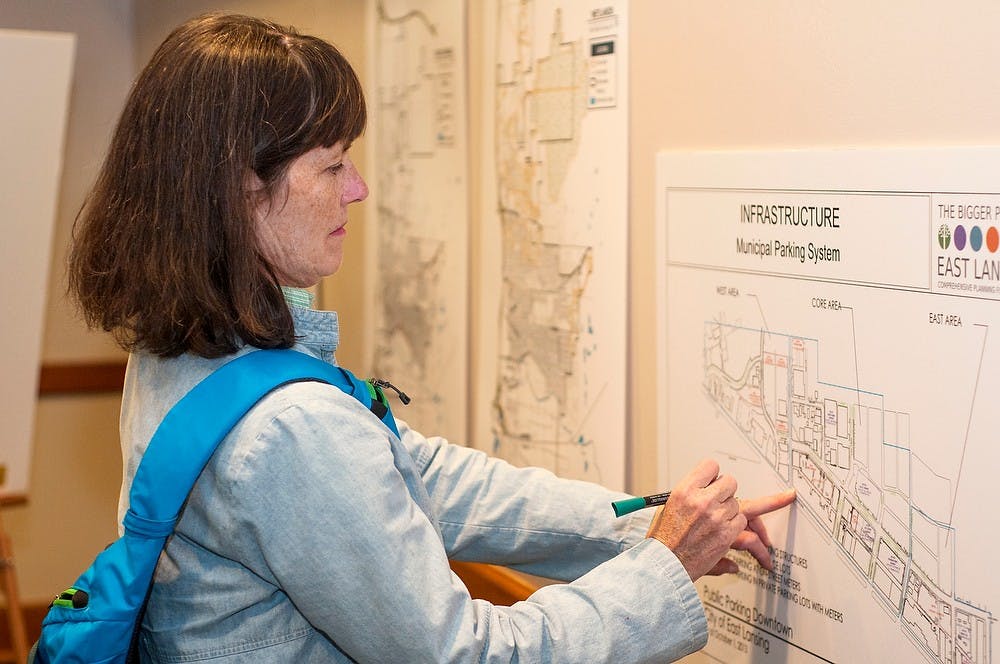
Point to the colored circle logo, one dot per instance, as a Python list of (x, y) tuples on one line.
[(960, 237), (976, 238), (944, 236)]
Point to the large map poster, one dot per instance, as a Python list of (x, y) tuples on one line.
[(830, 322), (420, 233), (553, 282)]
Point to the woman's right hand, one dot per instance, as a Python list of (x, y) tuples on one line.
[(703, 519)]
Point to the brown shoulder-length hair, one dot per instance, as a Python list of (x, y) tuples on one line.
[(165, 254)]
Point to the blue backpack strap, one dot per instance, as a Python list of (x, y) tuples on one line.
[(96, 619), (203, 417)]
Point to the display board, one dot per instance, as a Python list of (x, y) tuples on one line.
[(553, 279), (35, 82), (830, 321)]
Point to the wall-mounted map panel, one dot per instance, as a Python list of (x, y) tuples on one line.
[(830, 321)]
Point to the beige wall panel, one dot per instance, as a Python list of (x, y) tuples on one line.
[(787, 74), (72, 510)]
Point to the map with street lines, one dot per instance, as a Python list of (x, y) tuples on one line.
[(420, 294), (554, 276), (850, 460), (800, 352)]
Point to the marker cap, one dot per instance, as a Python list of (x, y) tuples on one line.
[(627, 505)]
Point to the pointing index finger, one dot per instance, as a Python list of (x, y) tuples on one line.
[(754, 507)]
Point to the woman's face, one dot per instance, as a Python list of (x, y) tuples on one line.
[(301, 230)]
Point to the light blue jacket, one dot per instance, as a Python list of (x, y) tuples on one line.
[(315, 535)]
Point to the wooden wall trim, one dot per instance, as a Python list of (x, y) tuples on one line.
[(82, 378), (7, 500), (74, 378)]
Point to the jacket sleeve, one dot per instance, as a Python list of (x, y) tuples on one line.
[(524, 518), (321, 504)]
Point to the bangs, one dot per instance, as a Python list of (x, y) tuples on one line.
[(337, 105), (308, 97)]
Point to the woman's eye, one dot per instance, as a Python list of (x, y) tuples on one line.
[(336, 167)]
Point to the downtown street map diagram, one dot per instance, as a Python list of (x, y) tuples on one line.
[(800, 352), (849, 459)]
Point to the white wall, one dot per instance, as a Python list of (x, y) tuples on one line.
[(792, 74)]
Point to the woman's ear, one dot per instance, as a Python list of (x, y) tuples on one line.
[(252, 182), (256, 193)]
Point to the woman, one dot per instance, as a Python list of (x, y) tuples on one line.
[(315, 534)]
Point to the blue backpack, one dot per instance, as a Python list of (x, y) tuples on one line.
[(97, 620)]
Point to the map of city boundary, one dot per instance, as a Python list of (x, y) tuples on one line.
[(553, 269), (837, 335), (419, 247)]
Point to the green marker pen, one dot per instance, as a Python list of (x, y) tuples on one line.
[(629, 505)]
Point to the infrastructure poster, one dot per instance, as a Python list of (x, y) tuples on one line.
[(830, 321)]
